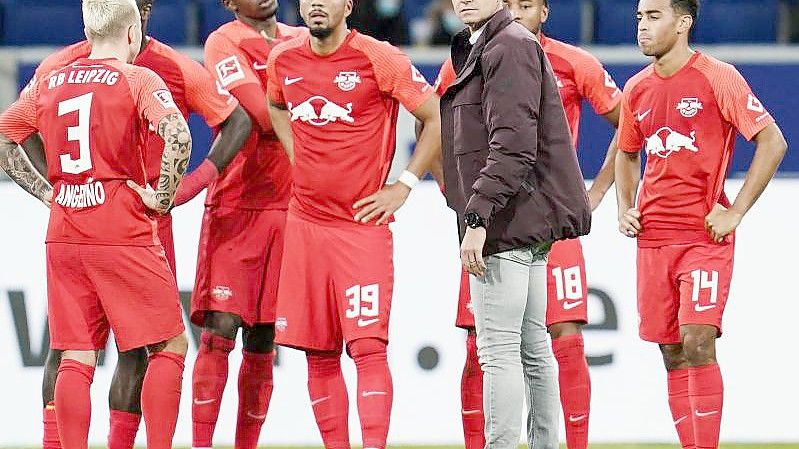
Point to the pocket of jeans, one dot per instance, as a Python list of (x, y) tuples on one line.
[(519, 255)]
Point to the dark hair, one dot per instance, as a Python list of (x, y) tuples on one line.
[(687, 7)]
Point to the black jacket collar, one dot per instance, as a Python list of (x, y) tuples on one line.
[(461, 44)]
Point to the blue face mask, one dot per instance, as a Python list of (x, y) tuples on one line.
[(452, 24), (388, 8)]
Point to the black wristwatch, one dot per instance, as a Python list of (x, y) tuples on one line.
[(474, 221)]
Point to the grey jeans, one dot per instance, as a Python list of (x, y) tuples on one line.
[(510, 302)]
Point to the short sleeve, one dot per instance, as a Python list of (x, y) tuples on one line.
[(737, 102), (274, 90), (18, 122), (446, 76), (596, 85), (205, 95), (227, 63), (630, 138), (397, 76), (153, 99)]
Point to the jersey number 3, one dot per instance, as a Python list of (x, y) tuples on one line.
[(80, 133)]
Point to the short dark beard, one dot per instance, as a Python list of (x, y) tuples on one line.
[(321, 33)]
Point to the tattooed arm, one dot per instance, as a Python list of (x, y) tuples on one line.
[(177, 151), (19, 168)]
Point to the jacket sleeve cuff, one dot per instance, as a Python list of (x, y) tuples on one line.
[(482, 207)]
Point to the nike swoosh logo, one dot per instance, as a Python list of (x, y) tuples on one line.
[(470, 412), (253, 416), (203, 401), (680, 419), (703, 414), (364, 323), (317, 401), (641, 117), (257, 66), (699, 308), (289, 81), (570, 305), (366, 394), (573, 418)]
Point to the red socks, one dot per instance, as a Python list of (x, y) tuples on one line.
[(329, 399), (375, 390), (122, 432), (208, 384), (50, 439), (680, 406), (472, 397), (255, 391), (74, 410), (160, 398), (575, 388), (706, 392)]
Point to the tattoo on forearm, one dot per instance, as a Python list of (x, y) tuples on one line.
[(177, 150), (15, 163)]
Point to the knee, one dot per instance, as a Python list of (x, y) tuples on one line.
[(177, 345), (84, 357), (259, 339), (223, 324), (134, 360), (673, 357), (366, 348), (558, 330), (52, 362), (323, 364), (699, 348)]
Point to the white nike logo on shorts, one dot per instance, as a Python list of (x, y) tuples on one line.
[(570, 305), (699, 308), (364, 323)]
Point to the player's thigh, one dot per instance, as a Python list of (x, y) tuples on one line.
[(567, 289), (263, 309), (230, 263), (658, 295), (363, 280), (138, 293), (76, 317), (306, 310), (705, 274)]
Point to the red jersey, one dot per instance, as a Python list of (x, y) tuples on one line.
[(92, 116), (259, 177), (687, 125), (579, 74), (193, 89), (344, 109)]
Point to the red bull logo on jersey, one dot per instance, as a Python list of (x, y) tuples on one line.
[(665, 141), (689, 107), (320, 111)]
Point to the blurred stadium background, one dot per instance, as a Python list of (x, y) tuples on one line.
[(629, 387)]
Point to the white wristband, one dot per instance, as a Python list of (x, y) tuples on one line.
[(409, 179)]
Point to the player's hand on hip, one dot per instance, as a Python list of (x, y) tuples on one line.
[(382, 204), (721, 221), (630, 222), (472, 251), (151, 199)]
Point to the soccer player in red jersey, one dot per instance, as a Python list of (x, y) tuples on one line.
[(193, 90), (106, 267), (580, 77), (241, 242), (334, 99), (684, 110)]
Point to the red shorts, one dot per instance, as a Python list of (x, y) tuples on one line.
[(567, 290), (127, 288), (336, 285), (238, 264), (465, 317), (682, 284), (167, 241)]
